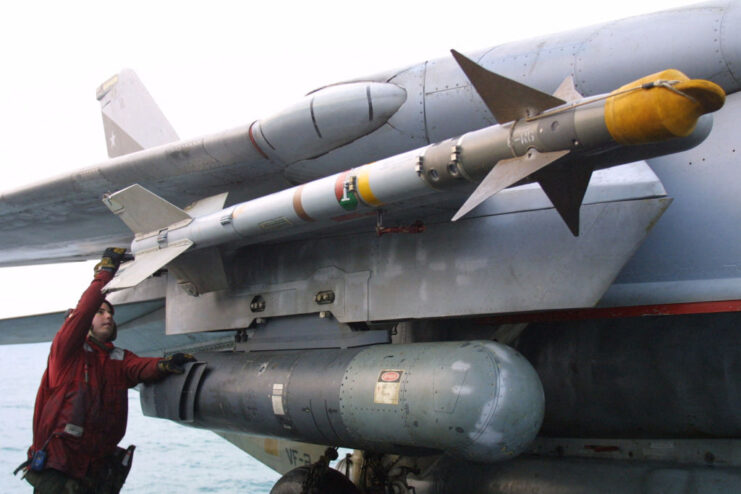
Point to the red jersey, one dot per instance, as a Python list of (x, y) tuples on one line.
[(82, 403)]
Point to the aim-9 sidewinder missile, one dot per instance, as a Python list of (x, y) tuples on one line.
[(556, 140)]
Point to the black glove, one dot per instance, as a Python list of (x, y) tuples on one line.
[(112, 259), (173, 364)]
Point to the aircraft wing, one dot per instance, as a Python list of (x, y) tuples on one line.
[(140, 317), (63, 219)]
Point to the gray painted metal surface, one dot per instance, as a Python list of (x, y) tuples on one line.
[(480, 265), (279, 454), (647, 377), (693, 253), (140, 317), (43, 327), (140, 330), (702, 452), (306, 332), (479, 400), (533, 475)]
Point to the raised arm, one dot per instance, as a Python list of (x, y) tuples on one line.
[(71, 336)]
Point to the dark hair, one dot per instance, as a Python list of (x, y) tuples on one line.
[(69, 312), (115, 326)]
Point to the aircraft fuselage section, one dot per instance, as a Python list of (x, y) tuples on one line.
[(702, 41)]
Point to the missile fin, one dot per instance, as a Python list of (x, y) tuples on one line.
[(506, 99), (146, 263), (142, 210), (506, 173), (567, 90), (207, 205), (565, 185)]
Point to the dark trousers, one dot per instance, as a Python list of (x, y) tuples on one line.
[(50, 481), (108, 478)]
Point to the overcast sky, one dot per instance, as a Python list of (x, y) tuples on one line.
[(212, 66)]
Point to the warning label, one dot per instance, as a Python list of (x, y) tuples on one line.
[(277, 399), (388, 387)]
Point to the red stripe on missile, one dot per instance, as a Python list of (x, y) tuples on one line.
[(616, 312), (339, 186), (298, 207)]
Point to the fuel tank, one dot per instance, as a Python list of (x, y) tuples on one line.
[(478, 400), (326, 119)]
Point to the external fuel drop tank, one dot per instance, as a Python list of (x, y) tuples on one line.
[(478, 400)]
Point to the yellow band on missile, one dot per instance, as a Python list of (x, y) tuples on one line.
[(635, 114), (366, 194)]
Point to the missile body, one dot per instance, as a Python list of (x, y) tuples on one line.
[(558, 147), (479, 400)]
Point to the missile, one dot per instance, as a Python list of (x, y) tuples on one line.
[(478, 400), (657, 108), (555, 140)]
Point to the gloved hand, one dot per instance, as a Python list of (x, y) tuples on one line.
[(112, 259), (173, 364)]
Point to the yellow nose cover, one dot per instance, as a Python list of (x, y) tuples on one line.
[(641, 112)]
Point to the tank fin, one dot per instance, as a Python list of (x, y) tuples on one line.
[(506, 99), (132, 121), (506, 173), (142, 210), (277, 453), (565, 185)]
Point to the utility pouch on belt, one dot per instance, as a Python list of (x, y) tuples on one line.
[(38, 460), (32, 467), (117, 470)]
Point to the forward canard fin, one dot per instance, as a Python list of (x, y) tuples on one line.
[(506, 99)]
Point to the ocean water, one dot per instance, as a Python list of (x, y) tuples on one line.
[(168, 458)]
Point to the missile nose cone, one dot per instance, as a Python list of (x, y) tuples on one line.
[(659, 107), (709, 96)]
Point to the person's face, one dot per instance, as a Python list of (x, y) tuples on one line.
[(103, 328)]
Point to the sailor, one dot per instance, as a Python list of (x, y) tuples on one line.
[(81, 405)]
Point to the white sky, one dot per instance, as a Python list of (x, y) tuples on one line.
[(212, 66)]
